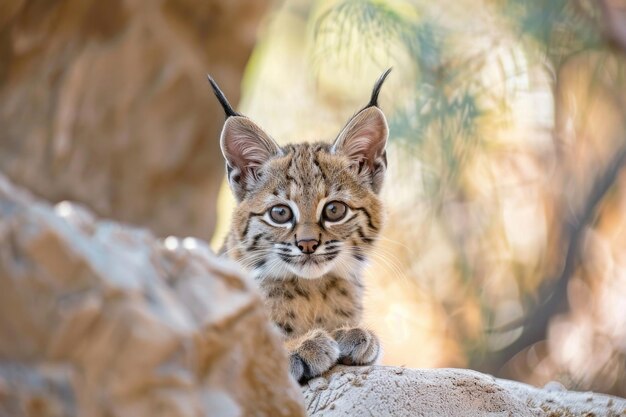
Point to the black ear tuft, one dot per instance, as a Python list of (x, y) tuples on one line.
[(374, 100), (228, 110)]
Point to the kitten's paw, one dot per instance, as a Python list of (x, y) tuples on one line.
[(357, 346), (316, 354)]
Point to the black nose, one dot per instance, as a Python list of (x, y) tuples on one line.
[(308, 246)]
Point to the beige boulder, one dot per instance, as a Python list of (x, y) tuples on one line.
[(101, 319), (106, 103)]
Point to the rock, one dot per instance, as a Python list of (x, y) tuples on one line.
[(560, 402), (398, 392), (107, 103), (102, 319)]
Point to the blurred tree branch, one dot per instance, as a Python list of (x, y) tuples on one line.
[(614, 14), (555, 300)]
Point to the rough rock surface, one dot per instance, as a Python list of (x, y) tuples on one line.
[(106, 103), (100, 319), (399, 392)]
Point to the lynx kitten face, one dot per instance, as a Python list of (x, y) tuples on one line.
[(306, 211), (306, 218)]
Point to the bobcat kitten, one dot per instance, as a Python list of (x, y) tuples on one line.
[(306, 217)]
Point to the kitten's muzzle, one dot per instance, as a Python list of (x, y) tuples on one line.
[(308, 246)]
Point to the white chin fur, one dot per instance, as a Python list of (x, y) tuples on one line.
[(311, 271)]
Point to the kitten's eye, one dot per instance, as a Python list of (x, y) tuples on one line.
[(281, 214), (334, 211)]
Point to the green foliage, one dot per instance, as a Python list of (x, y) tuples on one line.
[(440, 122), (560, 27)]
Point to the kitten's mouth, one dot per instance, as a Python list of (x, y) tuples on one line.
[(311, 266)]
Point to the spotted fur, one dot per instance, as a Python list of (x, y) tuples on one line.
[(315, 298)]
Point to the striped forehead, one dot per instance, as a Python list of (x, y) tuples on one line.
[(305, 180)]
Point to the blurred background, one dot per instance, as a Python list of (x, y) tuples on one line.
[(505, 245)]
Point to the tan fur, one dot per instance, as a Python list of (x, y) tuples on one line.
[(305, 175), (309, 268)]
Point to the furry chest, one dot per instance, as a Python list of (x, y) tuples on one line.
[(299, 305)]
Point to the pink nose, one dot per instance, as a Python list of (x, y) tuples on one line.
[(308, 246)]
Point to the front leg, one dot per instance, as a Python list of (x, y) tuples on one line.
[(312, 354), (357, 346)]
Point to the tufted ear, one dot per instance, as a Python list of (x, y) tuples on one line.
[(246, 148), (364, 138)]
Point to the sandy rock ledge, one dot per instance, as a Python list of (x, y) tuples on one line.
[(400, 392)]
